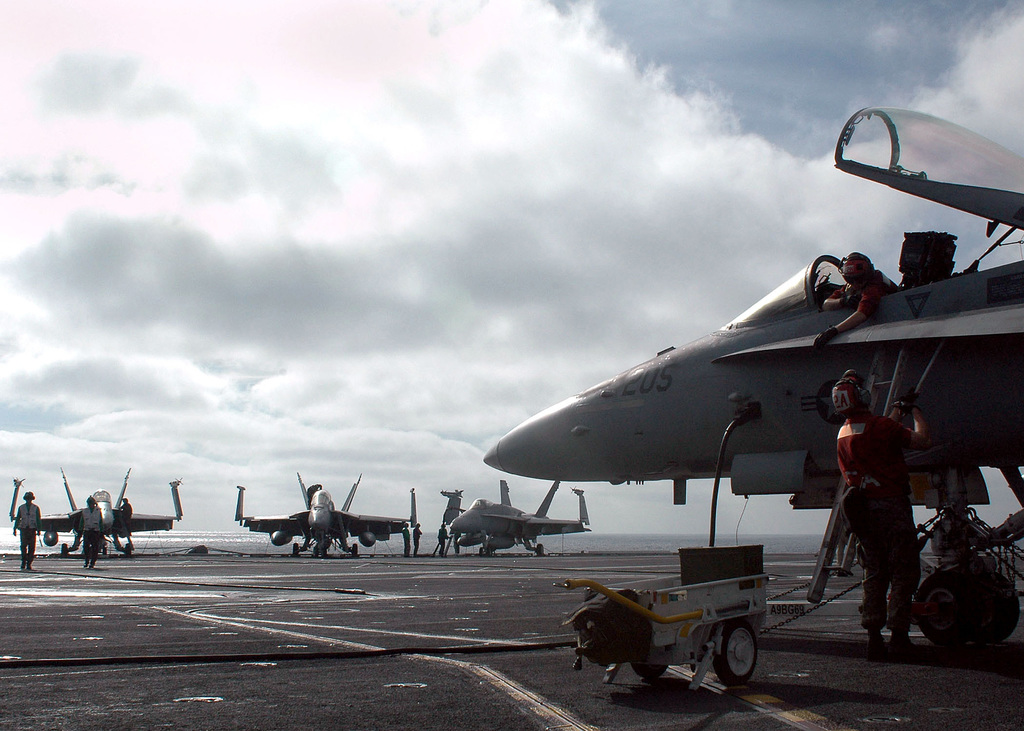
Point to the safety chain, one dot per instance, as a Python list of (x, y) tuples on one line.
[(788, 591), (816, 607), (1010, 564)]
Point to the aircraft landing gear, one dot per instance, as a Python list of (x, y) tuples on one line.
[(961, 608), (949, 608)]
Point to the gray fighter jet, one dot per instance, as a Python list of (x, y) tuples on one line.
[(492, 526), (115, 521), (751, 401), (321, 524)]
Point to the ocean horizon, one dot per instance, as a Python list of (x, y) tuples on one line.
[(248, 543)]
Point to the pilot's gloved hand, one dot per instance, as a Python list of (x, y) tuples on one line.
[(824, 336)]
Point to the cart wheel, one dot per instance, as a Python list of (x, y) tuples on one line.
[(735, 664), (648, 672)]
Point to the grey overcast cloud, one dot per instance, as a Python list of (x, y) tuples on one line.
[(245, 240)]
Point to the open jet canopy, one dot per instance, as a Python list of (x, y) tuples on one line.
[(934, 159)]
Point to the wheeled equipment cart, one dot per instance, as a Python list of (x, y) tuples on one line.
[(709, 618)]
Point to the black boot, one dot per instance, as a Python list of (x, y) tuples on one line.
[(876, 646), (900, 646)]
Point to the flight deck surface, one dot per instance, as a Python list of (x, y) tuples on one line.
[(221, 641)]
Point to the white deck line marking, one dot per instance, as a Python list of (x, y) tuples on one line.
[(789, 715), (551, 715), (269, 630)]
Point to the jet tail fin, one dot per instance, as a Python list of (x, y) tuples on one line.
[(505, 499), (454, 508), (412, 506), (67, 489), (239, 512), (14, 501), (305, 492), (542, 511), (124, 489), (584, 515), (351, 494), (176, 499)]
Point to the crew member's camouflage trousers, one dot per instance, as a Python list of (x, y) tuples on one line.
[(890, 558)]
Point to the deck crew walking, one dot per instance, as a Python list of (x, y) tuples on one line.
[(29, 521)]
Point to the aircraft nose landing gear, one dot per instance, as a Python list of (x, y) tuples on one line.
[(955, 608)]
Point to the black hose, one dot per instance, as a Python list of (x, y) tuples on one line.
[(750, 411), (283, 656)]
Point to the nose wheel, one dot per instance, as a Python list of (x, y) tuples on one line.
[(961, 608)]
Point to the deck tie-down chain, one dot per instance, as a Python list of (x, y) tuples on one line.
[(816, 607)]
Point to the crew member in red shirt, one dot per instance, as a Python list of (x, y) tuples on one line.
[(864, 289), (870, 453)]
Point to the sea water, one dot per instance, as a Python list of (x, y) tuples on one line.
[(248, 543)]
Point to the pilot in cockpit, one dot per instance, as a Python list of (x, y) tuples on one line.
[(865, 286)]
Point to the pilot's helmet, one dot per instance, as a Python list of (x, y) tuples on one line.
[(849, 394), (29, 496), (857, 268)]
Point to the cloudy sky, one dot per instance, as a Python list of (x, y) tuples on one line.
[(241, 240)]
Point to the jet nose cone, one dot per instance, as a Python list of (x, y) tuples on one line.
[(544, 446), (491, 458)]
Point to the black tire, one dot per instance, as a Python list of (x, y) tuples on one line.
[(735, 664), (1006, 619), (648, 672), (1002, 609), (955, 621)]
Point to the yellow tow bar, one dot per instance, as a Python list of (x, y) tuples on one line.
[(630, 605)]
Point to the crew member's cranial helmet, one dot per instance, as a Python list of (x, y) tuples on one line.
[(857, 268), (849, 394)]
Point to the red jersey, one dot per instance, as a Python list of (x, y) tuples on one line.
[(870, 296), (870, 451)]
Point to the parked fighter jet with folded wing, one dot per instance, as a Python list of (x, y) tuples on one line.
[(492, 526), (116, 522), (321, 524), (751, 401)]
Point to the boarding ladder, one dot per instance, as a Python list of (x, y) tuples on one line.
[(839, 546)]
